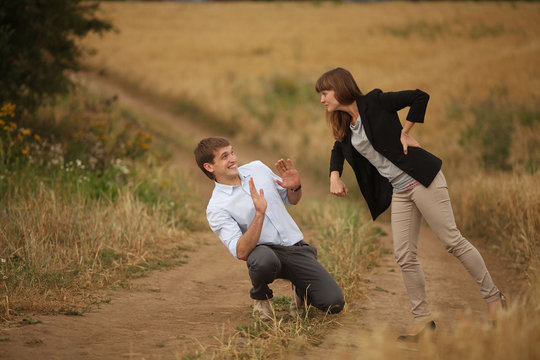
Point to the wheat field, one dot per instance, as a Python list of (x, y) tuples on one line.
[(253, 67)]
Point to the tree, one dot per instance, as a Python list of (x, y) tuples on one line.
[(38, 47)]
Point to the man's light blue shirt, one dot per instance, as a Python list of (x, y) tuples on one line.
[(230, 210)]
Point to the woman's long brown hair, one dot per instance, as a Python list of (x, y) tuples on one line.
[(346, 92)]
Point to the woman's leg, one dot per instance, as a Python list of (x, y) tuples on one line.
[(434, 204), (406, 221)]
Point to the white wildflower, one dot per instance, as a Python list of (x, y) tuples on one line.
[(121, 166)]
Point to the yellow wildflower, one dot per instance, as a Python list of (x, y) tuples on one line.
[(12, 125), (8, 110), (6, 128), (19, 136), (26, 131), (24, 151), (37, 137), (2, 123)]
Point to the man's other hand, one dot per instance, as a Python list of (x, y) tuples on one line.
[(288, 173)]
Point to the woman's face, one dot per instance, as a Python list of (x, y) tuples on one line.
[(329, 100)]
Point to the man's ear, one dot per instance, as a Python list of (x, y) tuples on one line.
[(208, 167)]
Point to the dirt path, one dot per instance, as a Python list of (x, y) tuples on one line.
[(171, 312)]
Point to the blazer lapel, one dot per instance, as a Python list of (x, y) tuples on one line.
[(347, 148), (362, 108)]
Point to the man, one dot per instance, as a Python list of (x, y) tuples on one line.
[(256, 227)]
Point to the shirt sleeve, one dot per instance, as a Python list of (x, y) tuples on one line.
[(283, 193), (225, 227)]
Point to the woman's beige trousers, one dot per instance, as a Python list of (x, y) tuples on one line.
[(433, 204)]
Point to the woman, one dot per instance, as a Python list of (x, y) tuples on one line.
[(392, 168)]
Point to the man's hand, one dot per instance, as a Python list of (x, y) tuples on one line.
[(288, 173), (337, 186), (247, 242), (258, 198)]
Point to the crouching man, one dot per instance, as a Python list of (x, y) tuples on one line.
[(247, 212)]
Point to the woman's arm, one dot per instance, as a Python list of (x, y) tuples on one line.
[(416, 99), (337, 186), (406, 139)]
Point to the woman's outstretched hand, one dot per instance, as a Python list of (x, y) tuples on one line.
[(288, 173), (407, 140), (337, 186)]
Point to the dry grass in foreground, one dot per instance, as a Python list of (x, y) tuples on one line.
[(58, 250), (516, 336), (504, 210)]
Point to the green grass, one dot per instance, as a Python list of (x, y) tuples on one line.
[(87, 203), (347, 240), (501, 132)]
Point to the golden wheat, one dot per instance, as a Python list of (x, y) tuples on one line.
[(214, 54)]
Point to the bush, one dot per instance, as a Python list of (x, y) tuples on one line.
[(502, 133), (38, 45)]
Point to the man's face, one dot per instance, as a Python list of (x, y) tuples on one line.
[(225, 165)]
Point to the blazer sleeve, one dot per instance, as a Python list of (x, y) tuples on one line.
[(337, 158), (416, 99)]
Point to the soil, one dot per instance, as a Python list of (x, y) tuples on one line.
[(192, 307)]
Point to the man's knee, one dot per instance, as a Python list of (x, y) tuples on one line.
[(332, 305), (263, 264), (337, 305), (328, 300)]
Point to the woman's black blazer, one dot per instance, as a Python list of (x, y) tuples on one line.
[(378, 113)]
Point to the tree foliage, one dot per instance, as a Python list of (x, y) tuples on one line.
[(38, 47)]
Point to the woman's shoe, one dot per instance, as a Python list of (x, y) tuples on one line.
[(504, 306), (495, 307), (430, 326)]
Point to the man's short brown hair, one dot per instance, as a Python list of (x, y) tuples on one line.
[(204, 152)]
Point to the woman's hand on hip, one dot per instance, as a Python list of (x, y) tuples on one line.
[(407, 140), (337, 186)]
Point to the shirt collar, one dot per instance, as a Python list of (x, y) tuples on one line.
[(357, 125), (228, 189)]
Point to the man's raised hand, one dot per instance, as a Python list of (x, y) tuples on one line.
[(288, 173), (258, 197)]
